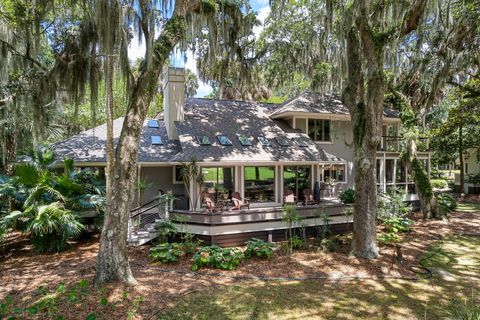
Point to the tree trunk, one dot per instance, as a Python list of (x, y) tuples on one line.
[(462, 160), (365, 122), (112, 259)]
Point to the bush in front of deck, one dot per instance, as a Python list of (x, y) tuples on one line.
[(259, 248), (217, 257)]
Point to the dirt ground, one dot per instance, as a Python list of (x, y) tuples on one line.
[(160, 286)]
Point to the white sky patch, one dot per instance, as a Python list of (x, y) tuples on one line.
[(136, 50), (262, 15)]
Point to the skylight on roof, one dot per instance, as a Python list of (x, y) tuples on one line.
[(245, 140), (156, 140), (224, 140), (264, 141), (203, 140), (282, 141), (153, 123), (301, 142)]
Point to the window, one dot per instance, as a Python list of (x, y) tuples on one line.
[(389, 164), (177, 175), (283, 141), (264, 141), (335, 171), (204, 140), (245, 140), (296, 179), (401, 173), (224, 140), (156, 140), (260, 184), (301, 142), (319, 130), (153, 124), (219, 181)]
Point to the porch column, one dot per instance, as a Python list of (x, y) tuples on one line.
[(383, 178), (394, 173)]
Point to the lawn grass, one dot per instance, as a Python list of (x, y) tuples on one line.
[(468, 207), (456, 265)]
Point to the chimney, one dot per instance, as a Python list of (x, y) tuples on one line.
[(173, 98)]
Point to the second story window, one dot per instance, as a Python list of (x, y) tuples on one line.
[(319, 130)]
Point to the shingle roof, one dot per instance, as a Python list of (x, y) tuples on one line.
[(233, 118), (89, 146), (210, 118), (311, 102)]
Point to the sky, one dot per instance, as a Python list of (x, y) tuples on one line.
[(137, 51)]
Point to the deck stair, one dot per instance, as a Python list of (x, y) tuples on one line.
[(141, 225)]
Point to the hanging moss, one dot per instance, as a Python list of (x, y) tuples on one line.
[(360, 124), (421, 177), (208, 7), (174, 31)]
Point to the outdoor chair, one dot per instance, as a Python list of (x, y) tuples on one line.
[(210, 204), (309, 198), (289, 197), (238, 202)]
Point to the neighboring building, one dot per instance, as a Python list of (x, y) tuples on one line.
[(471, 168), (262, 151)]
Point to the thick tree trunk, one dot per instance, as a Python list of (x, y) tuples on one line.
[(462, 160), (364, 121), (112, 259)]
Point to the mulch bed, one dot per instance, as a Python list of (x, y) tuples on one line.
[(22, 272)]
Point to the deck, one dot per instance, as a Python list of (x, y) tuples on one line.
[(231, 228)]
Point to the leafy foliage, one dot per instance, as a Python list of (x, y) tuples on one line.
[(259, 248), (446, 204), (166, 252), (438, 183), (347, 196), (217, 257)]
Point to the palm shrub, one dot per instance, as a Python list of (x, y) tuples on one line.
[(347, 196), (50, 226)]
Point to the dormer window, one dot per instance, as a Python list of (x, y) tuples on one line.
[(319, 130)]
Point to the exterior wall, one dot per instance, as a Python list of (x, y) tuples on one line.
[(472, 166), (161, 178)]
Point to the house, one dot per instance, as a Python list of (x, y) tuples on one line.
[(264, 152), (471, 168)]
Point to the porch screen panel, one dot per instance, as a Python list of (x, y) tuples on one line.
[(297, 178), (219, 181), (335, 171), (259, 184)]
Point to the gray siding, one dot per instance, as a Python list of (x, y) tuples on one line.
[(161, 178), (341, 136)]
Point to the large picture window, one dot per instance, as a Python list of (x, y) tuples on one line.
[(296, 179), (260, 184), (319, 130), (334, 171), (219, 181)]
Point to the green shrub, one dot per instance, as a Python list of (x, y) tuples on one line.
[(396, 224), (388, 238), (330, 244), (165, 230), (445, 204), (166, 252), (439, 183), (296, 242), (259, 248), (217, 257), (474, 179), (347, 196)]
